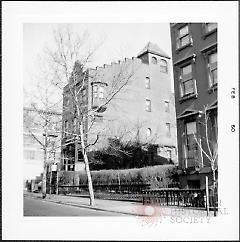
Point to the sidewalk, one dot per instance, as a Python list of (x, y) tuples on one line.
[(121, 207)]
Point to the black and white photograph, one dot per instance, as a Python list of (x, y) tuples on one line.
[(117, 130)]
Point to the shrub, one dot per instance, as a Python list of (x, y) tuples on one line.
[(157, 176)]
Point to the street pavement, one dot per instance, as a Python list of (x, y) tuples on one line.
[(114, 207), (37, 207)]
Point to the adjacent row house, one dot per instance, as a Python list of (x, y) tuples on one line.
[(194, 56)]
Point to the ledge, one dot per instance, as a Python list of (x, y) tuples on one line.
[(192, 56), (206, 34), (184, 98), (183, 47)]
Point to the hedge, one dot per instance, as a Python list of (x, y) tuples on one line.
[(157, 176)]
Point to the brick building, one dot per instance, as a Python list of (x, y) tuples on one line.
[(143, 109), (194, 56)]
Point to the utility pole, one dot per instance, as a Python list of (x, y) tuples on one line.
[(44, 179)]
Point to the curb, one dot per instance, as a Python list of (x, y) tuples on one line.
[(85, 206)]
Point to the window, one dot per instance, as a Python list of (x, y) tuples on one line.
[(211, 26), (191, 143), (212, 69), (168, 129), (100, 92), (95, 91), (29, 140), (148, 105), (166, 105), (147, 83), (187, 84), (163, 66), (98, 118), (149, 132), (169, 154), (183, 37), (29, 154), (154, 60)]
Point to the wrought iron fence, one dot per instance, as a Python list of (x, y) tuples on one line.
[(141, 192), (178, 197)]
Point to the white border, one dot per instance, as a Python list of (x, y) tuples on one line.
[(14, 14)]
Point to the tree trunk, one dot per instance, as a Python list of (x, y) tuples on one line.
[(214, 195), (44, 178), (85, 157), (50, 186)]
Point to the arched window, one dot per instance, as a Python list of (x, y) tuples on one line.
[(154, 60), (147, 83), (148, 105), (163, 66), (149, 132)]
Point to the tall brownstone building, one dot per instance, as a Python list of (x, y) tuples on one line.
[(194, 56), (143, 109)]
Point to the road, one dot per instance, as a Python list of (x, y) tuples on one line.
[(35, 207)]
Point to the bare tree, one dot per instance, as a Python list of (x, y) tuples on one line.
[(42, 118), (210, 149), (69, 63)]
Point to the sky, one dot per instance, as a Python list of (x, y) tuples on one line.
[(119, 40)]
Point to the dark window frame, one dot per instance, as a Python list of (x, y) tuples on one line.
[(206, 53), (179, 45), (188, 141), (185, 96), (206, 32)]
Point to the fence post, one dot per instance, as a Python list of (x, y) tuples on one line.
[(207, 196), (167, 197), (178, 197)]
